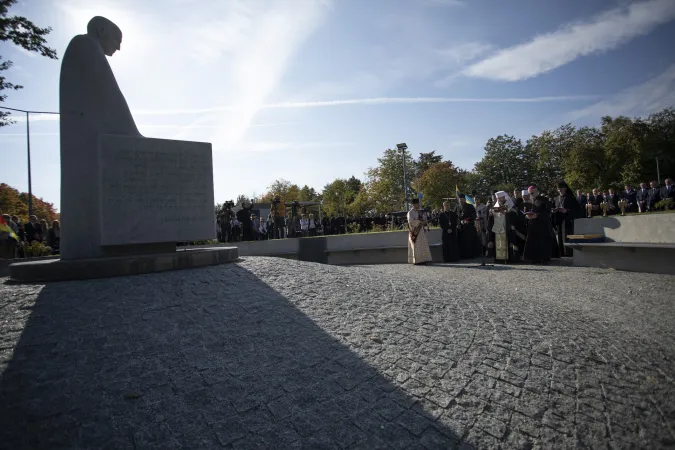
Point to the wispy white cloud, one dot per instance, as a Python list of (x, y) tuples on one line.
[(644, 99), (208, 113), (263, 38), (549, 51), (372, 101), (443, 2), (271, 146)]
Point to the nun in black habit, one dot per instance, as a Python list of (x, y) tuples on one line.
[(469, 242), (566, 209)]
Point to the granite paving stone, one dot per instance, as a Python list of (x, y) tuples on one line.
[(270, 353)]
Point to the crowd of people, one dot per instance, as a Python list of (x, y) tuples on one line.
[(35, 230), (244, 225), (528, 227)]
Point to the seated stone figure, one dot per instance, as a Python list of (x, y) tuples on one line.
[(91, 104)]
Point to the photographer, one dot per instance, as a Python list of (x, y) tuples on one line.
[(226, 221)]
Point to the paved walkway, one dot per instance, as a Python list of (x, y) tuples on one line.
[(279, 354)]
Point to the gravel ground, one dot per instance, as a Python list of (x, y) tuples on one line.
[(272, 353)]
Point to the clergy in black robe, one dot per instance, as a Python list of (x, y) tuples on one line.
[(538, 244), (448, 220), (244, 216), (566, 209), (469, 242)]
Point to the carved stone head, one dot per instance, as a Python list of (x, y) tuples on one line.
[(106, 33)]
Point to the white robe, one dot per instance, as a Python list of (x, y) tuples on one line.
[(418, 251)]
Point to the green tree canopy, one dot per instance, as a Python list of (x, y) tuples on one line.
[(22, 33)]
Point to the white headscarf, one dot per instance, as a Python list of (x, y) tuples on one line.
[(503, 194)]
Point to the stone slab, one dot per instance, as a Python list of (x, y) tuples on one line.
[(652, 228), (155, 190), (84, 269), (634, 258)]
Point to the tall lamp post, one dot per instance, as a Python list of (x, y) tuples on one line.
[(30, 183), (403, 147)]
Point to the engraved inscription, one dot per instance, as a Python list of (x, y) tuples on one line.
[(171, 186)]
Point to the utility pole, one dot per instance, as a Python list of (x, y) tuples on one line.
[(658, 172), (403, 147), (30, 182)]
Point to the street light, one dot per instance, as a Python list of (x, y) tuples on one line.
[(403, 147), (30, 183)]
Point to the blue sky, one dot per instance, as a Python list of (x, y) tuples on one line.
[(313, 90)]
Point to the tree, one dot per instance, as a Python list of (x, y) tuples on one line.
[(241, 198), (661, 144), (287, 191), (354, 184), (427, 160), (585, 164), (307, 194), (548, 152), (386, 180), (505, 165), (23, 33), (336, 197), (438, 182), (363, 204), (14, 202)]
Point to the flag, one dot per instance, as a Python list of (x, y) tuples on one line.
[(469, 200), (7, 229)]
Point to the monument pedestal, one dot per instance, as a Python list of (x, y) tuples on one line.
[(84, 269)]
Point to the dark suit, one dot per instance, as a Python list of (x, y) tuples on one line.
[(653, 198), (582, 200), (631, 199), (668, 192), (612, 204), (642, 198), (595, 200)]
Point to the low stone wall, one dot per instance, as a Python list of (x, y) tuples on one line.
[(648, 228), (345, 249), (641, 243)]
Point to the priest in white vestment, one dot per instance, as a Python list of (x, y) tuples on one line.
[(418, 245)]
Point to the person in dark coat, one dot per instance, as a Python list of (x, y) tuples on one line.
[(244, 217), (668, 191), (654, 196), (469, 241), (448, 220), (641, 197), (538, 244), (566, 209), (582, 200), (630, 197)]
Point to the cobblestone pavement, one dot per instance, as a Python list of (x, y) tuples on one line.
[(271, 353)]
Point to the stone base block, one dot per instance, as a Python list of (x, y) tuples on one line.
[(630, 259), (84, 269)]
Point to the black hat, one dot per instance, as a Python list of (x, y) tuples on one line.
[(462, 196), (562, 184), (415, 201)]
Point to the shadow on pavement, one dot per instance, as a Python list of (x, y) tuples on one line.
[(207, 358)]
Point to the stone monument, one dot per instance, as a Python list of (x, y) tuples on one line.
[(122, 194)]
